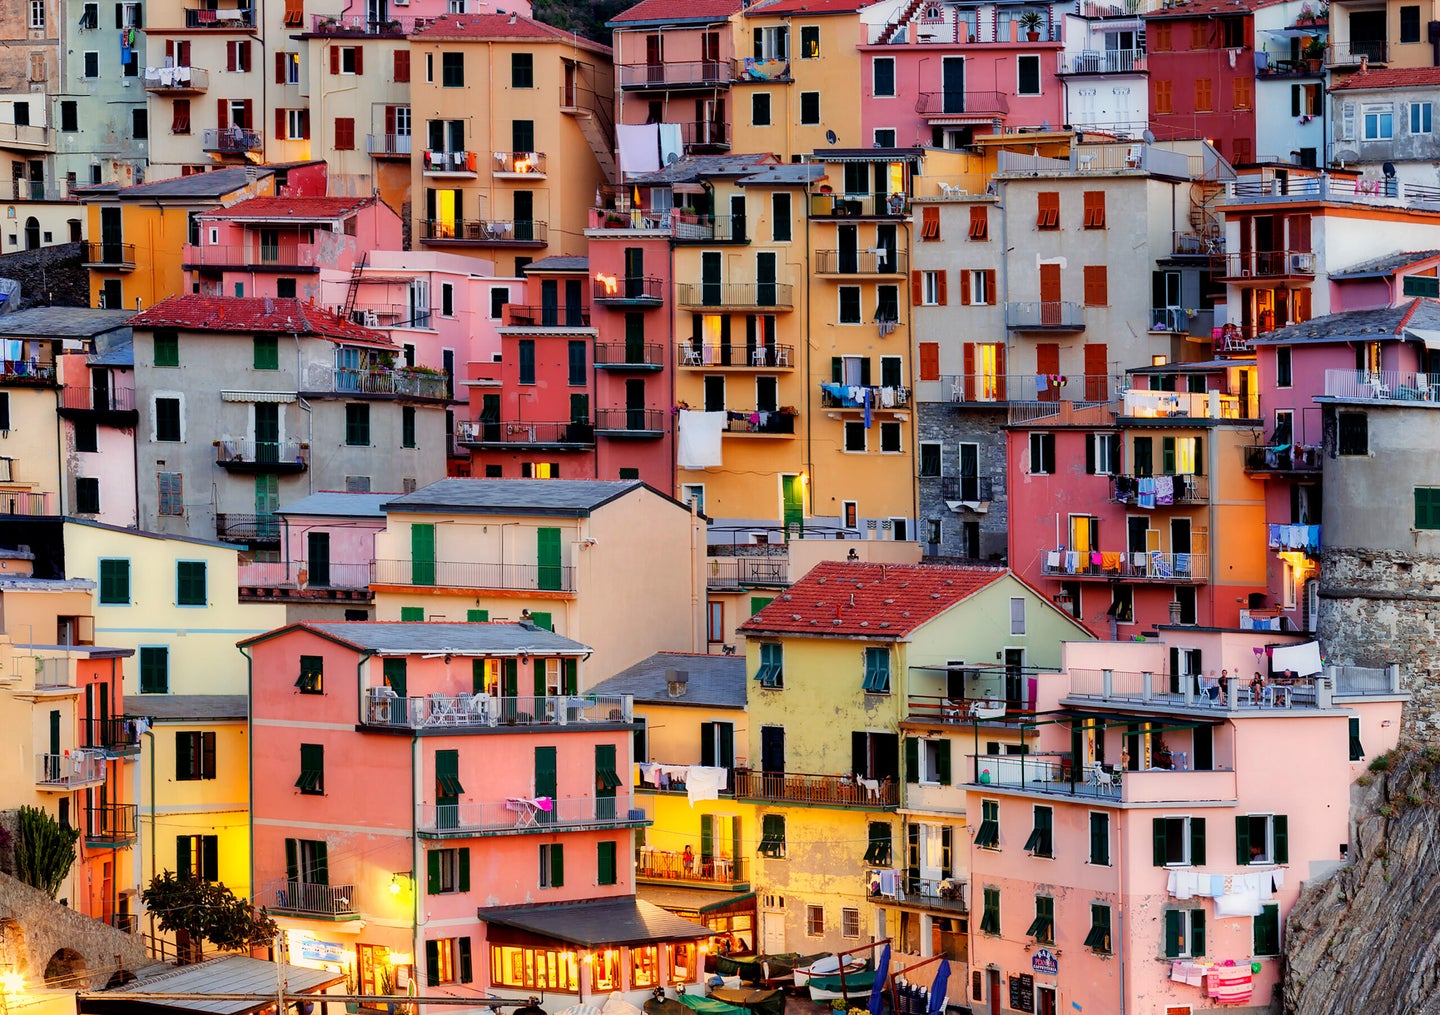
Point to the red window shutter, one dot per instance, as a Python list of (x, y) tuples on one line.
[(1096, 364), (402, 67), (940, 288), (222, 113), (344, 133), (359, 60), (182, 53), (305, 124), (279, 123), (979, 222), (231, 49), (180, 120), (248, 111), (990, 285), (170, 48), (1047, 364), (1000, 372), (964, 287), (279, 68), (1050, 283), (389, 120), (917, 289), (929, 361), (334, 59), (967, 369), (930, 223)]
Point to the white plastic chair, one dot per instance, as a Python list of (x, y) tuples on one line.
[(1102, 779)]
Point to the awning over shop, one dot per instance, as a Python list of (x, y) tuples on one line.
[(594, 924), (697, 901), (233, 974)]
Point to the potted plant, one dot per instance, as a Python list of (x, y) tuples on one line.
[(1314, 55), (1031, 20), (1306, 15)]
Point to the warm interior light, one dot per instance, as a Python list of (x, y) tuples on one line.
[(610, 282), (11, 983)]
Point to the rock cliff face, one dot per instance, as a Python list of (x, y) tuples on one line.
[(1367, 939)]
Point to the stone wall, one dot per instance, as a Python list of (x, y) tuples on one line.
[(49, 276), (943, 423), (34, 928)]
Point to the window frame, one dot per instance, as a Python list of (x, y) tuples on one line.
[(1042, 928), (876, 678), (186, 581), (1022, 62), (312, 770), (875, 63), (1041, 842), (1099, 938), (1099, 826), (987, 836), (1346, 445), (772, 836), (452, 72), (1377, 121), (1183, 933)]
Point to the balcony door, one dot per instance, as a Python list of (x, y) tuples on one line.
[(422, 554), (545, 781), (110, 243), (267, 502), (317, 558), (654, 60), (767, 292), (1050, 293), (267, 432), (635, 404), (100, 390), (772, 749), (952, 84), (710, 278), (547, 557), (848, 256)]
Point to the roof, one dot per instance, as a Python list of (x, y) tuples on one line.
[(253, 314), (882, 601), (408, 637), (503, 26), (567, 497), (807, 7), (62, 322), (180, 707), (699, 167), (602, 922), (787, 174), (232, 974), (559, 263), (1393, 77), (27, 583), (212, 185), (676, 11), (693, 900), (290, 207), (169, 537), (714, 681), (1377, 322), (1206, 366), (343, 505), (1385, 264), (1210, 8), (115, 349)]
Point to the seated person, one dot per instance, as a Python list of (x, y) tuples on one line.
[(1257, 686)]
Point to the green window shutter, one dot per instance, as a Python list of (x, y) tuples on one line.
[(542, 620), (912, 759), (1357, 749), (154, 670), (422, 554), (1197, 842), (1280, 830), (1100, 839), (432, 963), (207, 755), (570, 670), (292, 860), (477, 675), (190, 583), (539, 679), (1161, 848), (115, 582), (394, 671), (605, 862), (267, 352), (1242, 840), (432, 870), (463, 855), (942, 762), (1197, 932), (467, 971), (1267, 930), (607, 780), (758, 603), (183, 860), (477, 616), (447, 777), (509, 678), (1199, 455), (411, 613), (1174, 933), (557, 865), (321, 874), (547, 553), (707, 836), (545, 771), (1167, 456)]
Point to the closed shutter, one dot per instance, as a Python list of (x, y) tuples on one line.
[(917, 289), (964, 289), (1197, 842), (292, 860), (184, 756), (912, 759), (967, 368), (942, 762), (402, 69), (1097, 289), (222, 113), (280, 68), (929, 361), (432, 963), (1280, 832)]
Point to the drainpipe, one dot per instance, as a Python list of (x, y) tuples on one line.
[(153, 836), (249, 766)]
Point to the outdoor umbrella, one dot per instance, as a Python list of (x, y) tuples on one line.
[(877, 989), (937, 989)]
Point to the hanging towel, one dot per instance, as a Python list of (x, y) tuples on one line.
[(704, 783), (1159, 566), (1164, 489), (865, 401), (639, 145), (1095, 558), (1052, 560), (699, 439), (1041, 383), (1072, 561), (1182, 563), (1110, 561), (671, 142)]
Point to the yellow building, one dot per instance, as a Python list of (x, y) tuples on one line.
[(515, 136), (852, 652)]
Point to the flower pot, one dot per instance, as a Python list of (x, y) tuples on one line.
[(1033, 36)]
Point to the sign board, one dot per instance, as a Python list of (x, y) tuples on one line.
[(1045, 962), (314, 950), (1022, 993)]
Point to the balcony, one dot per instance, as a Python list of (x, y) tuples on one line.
[(51, 675), (346, 25), (25, 503), (980, 390), (1140, 403), (1045, 315), (1151, 492), (705, 136), (819, 790), (736, 572), (632, 423), (1382, 385), (1283, 459), (519, 165), (757, 423), (1187, 244), (248, 455), (485, 233), (482, 711), (251, 256), (74, 769), (517, 315), (1130, 565), (629, 290), (772, 69), (528, 816), (734, 296), (835, 206), (1265, 264), (858, 396), (1349, 54), (929, 708), (860, 262), (251, 528), (234, 19), (968, 489), (464, 574), (296, 574), (574, 435), (644, 356), (940, 894), (388, 146), (673, 76), (436, 162), (406, 382), (110, 827), (1053, 774), (108, 404), (117, 736), (231, 140), (669, 867), (1165, 691), (177, 80), (1097, 61), (712, 354), (391, 315), (109, 256), (25, 135), (687, 227), (24, 372), (299, 898), (962, 107)]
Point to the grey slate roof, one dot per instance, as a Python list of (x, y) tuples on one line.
[(114, 349), (787, 174), (233, 974), (1353, 324), (62, 322), (1195, 367), (181, 707), (603, 922), (569, 497), (697, 167), (1385, 263), (407, 637), (25, 583), (559, 263), (339, 504), (714, 681), (214, 184)]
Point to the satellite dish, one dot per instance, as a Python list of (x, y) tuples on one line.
[(1148, 136), (830, 136), (671, 158), (1389, 170)]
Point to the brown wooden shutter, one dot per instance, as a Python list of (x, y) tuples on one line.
[(279, 68), (940, 287), (917, 290), (305, 124), (359, 60), (222, 113), (979, 222), (389, 121), (964, 287), (334, 59), (967, 368), (1096, 365), (279, 123), (1049, 283), (248, 112), (929, 223), (929, 361), (231, 55), (1047, 364), (180, 121), (344, 133), (990, 285), (1097, 289), (1000, 372), (402, 66), (170, 49)]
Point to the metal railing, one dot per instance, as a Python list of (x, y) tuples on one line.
[(233, 527), (755, 421), (111, 825), (852, 205), (301, 897), (485, 231), (393, 381), (939, 893), (973, 489), (860, 262), (51, 672), (667, 865), (233, 140), (1142, 403), (687, 227), (26, 371), (1283, 458), (843, 396), (274, 574), (388, 144), (727, 572), (629, 354), (23, 502), (1101, 61), (1187, 244), (740, 295), (1264, 263), (233, 18), (248, 451), (543, 814), (968, 102), (1140, 565), (391, 315), (1350, 54), (443, 162), (363, 24), (580, 433), (477, 711), (643, 421), (251, 255), (935, 708), (71, 770), (1382, 385), (1044, 314), (115, 734), (103, 254), (82, 398), (705, 134), (568, 316), (629, 289), (176, 79), (986, 388), (795, 787), (712, 354), (1182, 490), (519, 163), (679, 73), (474, 575)]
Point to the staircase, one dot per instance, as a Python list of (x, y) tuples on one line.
[(356, 273), (1203, 220), (906, 16), (595, 137)]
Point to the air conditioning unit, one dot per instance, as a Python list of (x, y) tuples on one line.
[(1302, 264), (402, 3)]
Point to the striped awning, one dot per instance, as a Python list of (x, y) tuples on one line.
[(257, 396)]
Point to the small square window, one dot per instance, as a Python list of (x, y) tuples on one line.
[(809, 108), (312, 675), (815, 921), (1352, 434), (854, 435)]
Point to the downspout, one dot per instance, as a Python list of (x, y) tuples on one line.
[(153, 834), (249, 760), (909, 291), (1119, 931), (807, 378)]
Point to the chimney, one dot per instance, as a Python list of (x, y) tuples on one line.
[(676, 681)]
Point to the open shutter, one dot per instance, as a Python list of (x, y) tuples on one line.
[(1161, 851), (570, 669), (964, 288), (941, 288), (432, 870), (1174, 933), (1197, 842), (967, 366), (230, 56), (1242, 840), (466, 970), (360, 69), (707, 744), (1090, 471), (464, 875), (432, 963), (222, 113), (557, 865), (279, 68), (707, 836), (321, 874), (1000, 374), (917, 291), (207, 755), (183, 861), (209, 857), (334, 59), (1280, 829), (912, 759), (305, 124), (540, 681), (280, 123), (942, 762), (292, 860)]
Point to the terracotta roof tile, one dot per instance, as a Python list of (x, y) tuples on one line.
[(297, 207), (677, 10), (251, 314), (1394, 77), (502, 26), (876, 600), (767, 7)]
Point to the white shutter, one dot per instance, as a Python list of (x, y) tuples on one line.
[(1347, 122)]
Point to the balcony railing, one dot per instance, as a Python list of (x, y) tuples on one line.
[(989, 388), (363, 24), (638, 422), (247, 528), (856, 396), (527, 814), (1308, 458), (971, 489), (1044, 314), (231, 140), (711, 354), (116, 735), (758, 422), (687, 227), (577, 433), (388, 144), (101, 254), (519, 164), (78, 398), (111, 825), (233, 18), (73, 769), (483, 711), (251, 455), (1139, 565), (677, 74), (464, 574), (486, 232), (405, 381), (517, 315), (669, 866), (860, 262), (799, 788), (1382, 385), (441, 162), (938, 893), (629, 355), (705, 134), (1141, 403), (971, 104), (1097, 61), (26, 371), (176, 80), (248, 256), (735, 295), (25, 135), (51, 673), (262, 574), (338, 901), (1349, 54), (23, 502), (728, 572), (625, 289), (858, 205), (1264, 263), (1158, 491)]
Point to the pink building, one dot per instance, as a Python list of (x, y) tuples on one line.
[(487, 781), (1144, 849)]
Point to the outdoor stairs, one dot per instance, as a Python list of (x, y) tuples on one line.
[(906, 16), (595, 137), (1203, 196), (356, 273)]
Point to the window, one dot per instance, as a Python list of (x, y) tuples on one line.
[(1352, 434), (877, 670), (69, 116), (883, 75), (772, 670), (154, 669), (1357, 749), (166, 349), (1102, 454), (1047, 212), (1097, 285), (522, 70), (760, 109), (887, 303), (990, 920), (1100, 838), (780, 227), (448, 960), (854, 435), (357, 425), (809, 42), (1184, 933), (1304, 100), (412, 613), (809, 108), (988, 835), (114, 582), (1027, 74), (1244, 93), (190, 587), (1042, 454), (91, 64), (932, 288), (266, 352), (850, 312), (448, 871), (194, 755), (1094, 209), (37, 14), (498, 298), (1262, 838), (1017, 615), (1164, 93), (180, 117), (87, 496), (1410, 23), (287, 68), (312, 769), (979, 222), (576, 353), (1178, 841), (693, 493), (884, 137), (891, 442), (167, 420), (1422, 117), (1180, 456), (606, 870), (90, 16), (1042, 928), (927, 760), (452, 70), (849, 922), (537, 968), (357, 484), (772, 43), (880, 850), (1099, 937), (1204, 95), (929, 458), (1042, 833), (197, 857), (1378, 121), (1283, 372), (527, 360), (772, 836), (815, 921), (1267, 930), (171, 489)]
